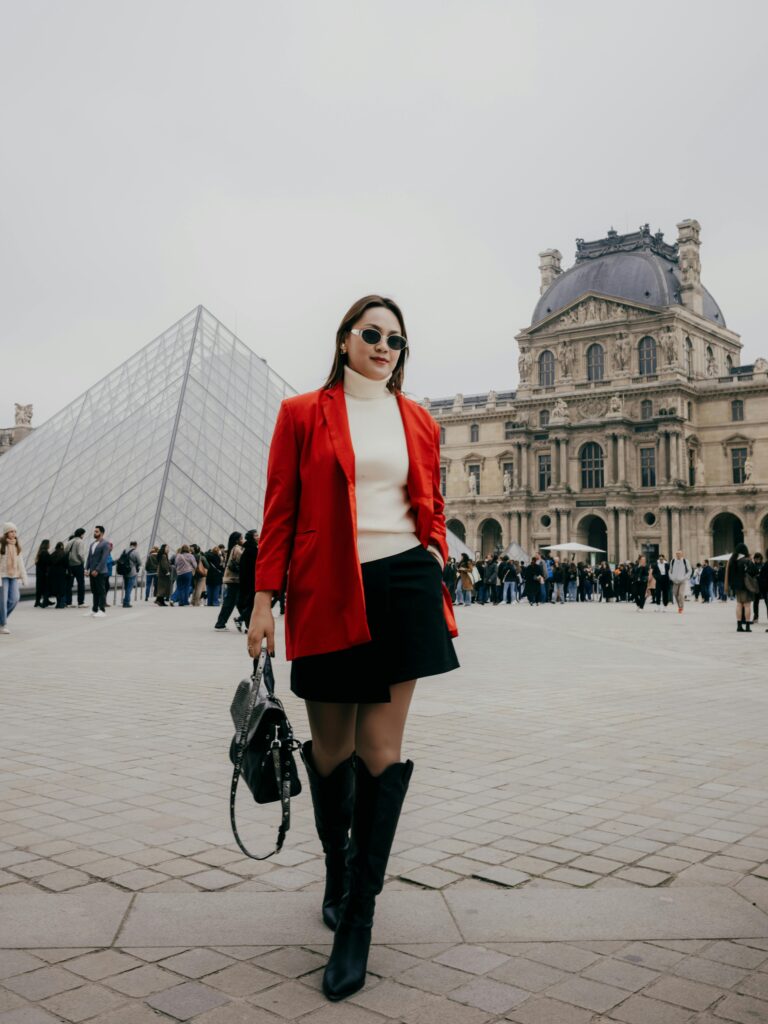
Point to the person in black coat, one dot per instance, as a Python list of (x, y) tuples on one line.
[(42, 568), (58, 576), (762, 582), (214, 578), (640, 582), (247, 594)]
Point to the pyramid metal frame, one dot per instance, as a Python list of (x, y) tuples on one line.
[(171, 446)]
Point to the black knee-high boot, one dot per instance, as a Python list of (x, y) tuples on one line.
[(333, 800), (378, 802)]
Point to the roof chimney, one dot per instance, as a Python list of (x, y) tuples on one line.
[(689, 263), (549, 267)]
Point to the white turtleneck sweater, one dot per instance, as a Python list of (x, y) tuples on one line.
[(385, 523)]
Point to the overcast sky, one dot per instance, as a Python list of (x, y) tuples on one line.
[(275, 161)]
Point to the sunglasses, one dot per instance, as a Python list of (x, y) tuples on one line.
[(372, 337)]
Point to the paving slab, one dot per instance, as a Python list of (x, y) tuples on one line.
[(42, 920), (274, 918), (685, 913)]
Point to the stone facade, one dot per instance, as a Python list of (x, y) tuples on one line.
[(22, 426), (634, 427)]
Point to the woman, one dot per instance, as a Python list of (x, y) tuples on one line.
[(466, 579), (214, 577), (762, 581), (231, 579), (42, 565), (739, 566), (12, 573), (353, 503), (201, 575), (186, 564), (57, 575), (247, 594), (640, 576), (163, 590)]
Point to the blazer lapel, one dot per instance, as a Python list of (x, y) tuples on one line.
[(335, 413), (417, 487)]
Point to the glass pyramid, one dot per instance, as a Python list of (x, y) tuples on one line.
[(171, 447)]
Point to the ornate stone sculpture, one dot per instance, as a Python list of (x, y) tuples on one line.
[(524, 364), (701, 476), (669, 341), (748, 470), (472, 484), (23, 415), (507, 482), (559, 412), (621, 351), (617, 404), (711, 365), (760, 365), (565, 357)]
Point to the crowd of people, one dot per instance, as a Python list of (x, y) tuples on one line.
[(221, 576), (499, 579)]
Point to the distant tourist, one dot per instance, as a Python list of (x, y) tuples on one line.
[(130, 564), (77, 550), (231, 579), (466, 585), (12, 573), (640, 577), (58, 575), (97, 568), (706, 581), (150, 569), (42, 565), (163, 591), (201, 575), (215, 576), (741, 579), (186, 563), (762, 581), (679, 573), (661, 582), (247, 593)]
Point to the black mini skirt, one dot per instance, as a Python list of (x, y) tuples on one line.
[(409, 635)]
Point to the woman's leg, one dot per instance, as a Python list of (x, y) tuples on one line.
[(333, 733), (379, 734)]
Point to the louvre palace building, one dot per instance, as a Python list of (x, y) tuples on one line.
[(634, 428)]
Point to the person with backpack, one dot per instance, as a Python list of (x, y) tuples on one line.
[(680, 572), (128, 566), (741, 579), (150, 571)]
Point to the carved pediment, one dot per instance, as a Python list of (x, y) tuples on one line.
[(738, 441), (594, 308)]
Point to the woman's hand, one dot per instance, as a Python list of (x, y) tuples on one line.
[(262, 625)]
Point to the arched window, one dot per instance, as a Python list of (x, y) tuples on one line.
[(729, 364), (737, 410), (509, 429), (442, 435), (689, 357), (474, 432), (646, 356), (595, 362), (544, 418), (591, 467), (547, 369), (646, 409)]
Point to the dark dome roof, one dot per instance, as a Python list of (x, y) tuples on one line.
[(641, 276)]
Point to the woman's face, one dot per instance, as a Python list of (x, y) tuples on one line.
[(10, 537), (377, 361)]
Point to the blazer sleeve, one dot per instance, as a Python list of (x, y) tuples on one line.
[(281, 503), (437, 536)]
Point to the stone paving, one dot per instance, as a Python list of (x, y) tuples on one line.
[(585, 839)]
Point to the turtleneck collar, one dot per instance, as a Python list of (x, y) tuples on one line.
[(358, 386)]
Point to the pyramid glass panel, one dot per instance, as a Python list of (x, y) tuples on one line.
[(171, 447)]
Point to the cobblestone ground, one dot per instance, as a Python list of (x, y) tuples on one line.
[(585, 839)]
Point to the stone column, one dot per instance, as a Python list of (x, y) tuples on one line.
[(508, 540), (564, 527), (676, 534), (622, 459), (555, 459), (563, 461), (524, 517), (609, 477), (674, 471), (661, 460), (623, 535), (516, 467), (524, 465)]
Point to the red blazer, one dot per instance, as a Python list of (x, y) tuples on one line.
[(310, 511)]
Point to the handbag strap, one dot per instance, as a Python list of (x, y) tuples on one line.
[(280, 763)]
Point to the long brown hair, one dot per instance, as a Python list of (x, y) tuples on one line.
[(353, 314), (4, 544)]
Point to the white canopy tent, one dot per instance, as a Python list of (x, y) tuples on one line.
[(572, 546), (457, 547), (718, 558)]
